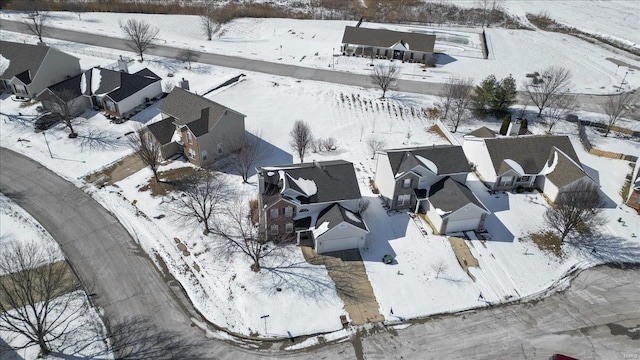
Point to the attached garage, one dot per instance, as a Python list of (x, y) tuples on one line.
[(452, 207), (339, 229)]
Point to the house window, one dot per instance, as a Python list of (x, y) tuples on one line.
[(406, 183), (189, 138), (192, 154), (288, 211), (506, 181), (203, 154), (110, 105), (20, 89), (220, 148), (403, 200), (275, 213), (289, 227), (274, 229)]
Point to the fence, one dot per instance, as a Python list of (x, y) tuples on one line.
[(447, 133), (485, 48), (584, 139)]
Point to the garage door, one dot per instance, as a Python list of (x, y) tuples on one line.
[(462, 225), (330, 245)]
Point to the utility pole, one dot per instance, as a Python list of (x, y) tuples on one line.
[(47, 142), (265, 323)]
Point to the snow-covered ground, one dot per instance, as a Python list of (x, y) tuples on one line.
[(87, 333), (312, 43), (230, 295)]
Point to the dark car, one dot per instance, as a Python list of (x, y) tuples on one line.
[(46, 121)]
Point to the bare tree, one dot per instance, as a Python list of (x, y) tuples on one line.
[(37, 299), (208, 20), (618, 106), (384, 77), (167, 86), (61, 104), (140, 35), (241, 235), (253, 151), (363, 205), (375, 144), (461, 99), (188, 56), (487, 7), (562, 107), (301, 138), (147, 148), (545, 90), (37, 22), (578, 209), (202, 195), (439, 267)]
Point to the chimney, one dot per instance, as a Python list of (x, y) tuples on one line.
[(122, 65), (184, 84)]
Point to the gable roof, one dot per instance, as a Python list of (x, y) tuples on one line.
[(565, 171), (197, 112), (441, 159), (162, 130), (483, 132), (335, 215), (117, 85), (72, 85), (24, 60), (450, 195), (528, 152), (387, 38), (322, 181)]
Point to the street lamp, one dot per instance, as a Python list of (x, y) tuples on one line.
[(265, 323), (333, 57), (622, 82), (46, 141)]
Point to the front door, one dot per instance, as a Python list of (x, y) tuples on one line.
[(398, 54)]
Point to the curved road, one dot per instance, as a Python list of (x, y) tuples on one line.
[(597, 317), (585, 102)]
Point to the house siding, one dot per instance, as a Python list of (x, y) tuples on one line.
[(193, 146), (399, 190), (384, 178), (77, 105), (131, 102), (342, 231), (56, 67), (432, 214), (228, 131), (281, 220)]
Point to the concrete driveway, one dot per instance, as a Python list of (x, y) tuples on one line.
[(117, 171), (352, 283)]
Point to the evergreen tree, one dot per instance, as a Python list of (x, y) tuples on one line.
[(523, 127), (484, 94), (505, 124), (504, 95)]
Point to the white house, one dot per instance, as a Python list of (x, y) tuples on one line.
[(548, 163)]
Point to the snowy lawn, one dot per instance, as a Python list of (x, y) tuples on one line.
[(86, 338), (312, 43), (224, 289)]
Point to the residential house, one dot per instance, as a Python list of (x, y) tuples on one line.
[(430, 180), (314, 203), (117, 93), (208, 130), (452, 207), (25, 70), (388, 44), (548, 163)]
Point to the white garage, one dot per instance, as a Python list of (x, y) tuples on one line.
[(339, 229), (452, 207)]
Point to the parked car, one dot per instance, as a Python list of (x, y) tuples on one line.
[(46, 121)]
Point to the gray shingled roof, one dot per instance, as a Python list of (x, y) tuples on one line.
[(118, 85), (71, 84), (565, 172), (387, 38), (335, 180), (449, 195), (24, 59), (530, 152), (336, 214), (186, 107), (449, 159), (483, 132), (162, 130)]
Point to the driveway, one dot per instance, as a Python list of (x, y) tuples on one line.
[(352, 283), (117, 171)]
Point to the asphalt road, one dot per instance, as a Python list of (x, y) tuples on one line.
[(585, 102), (598, 317)]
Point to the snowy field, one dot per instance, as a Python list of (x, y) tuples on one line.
[(225, 290), (86, 339), (311, 43)]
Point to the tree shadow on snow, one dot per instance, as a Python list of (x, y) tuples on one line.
[(98, 139), (606, 249)]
